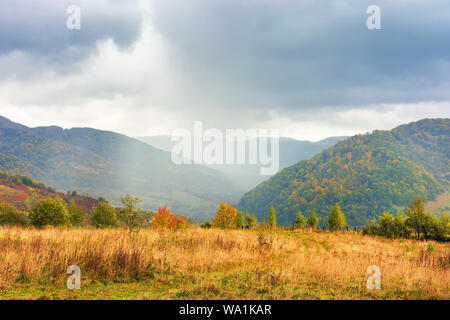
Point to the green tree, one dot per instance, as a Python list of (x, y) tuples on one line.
[(104, 216), (300, 220), (387, 226), (11, 217), (416, 218), (336, 219), (76, 214), (49, 212), (313, 220), (250, 220), (441, 231), (131, 215), (401, 230), (272, 218), (240, 220)]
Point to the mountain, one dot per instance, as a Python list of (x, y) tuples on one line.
[(246, 176), (367, 174), (104, 163), (16, 189)]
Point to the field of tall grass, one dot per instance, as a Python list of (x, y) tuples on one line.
[(197, 263)]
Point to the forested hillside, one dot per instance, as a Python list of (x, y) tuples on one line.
[(367, 174), (108, 164)]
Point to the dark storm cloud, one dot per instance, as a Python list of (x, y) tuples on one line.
[(310, 67), (38, 28), (303, 54)]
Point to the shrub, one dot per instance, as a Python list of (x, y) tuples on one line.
[(49, 212), (104, 216), (10, 216), (76, 214), (206, 225)]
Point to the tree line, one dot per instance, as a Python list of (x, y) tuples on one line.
[(228, 217), (415, 223), (57, 213)]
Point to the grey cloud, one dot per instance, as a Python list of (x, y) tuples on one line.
[(229, 63), (38, 28), (308, 54)]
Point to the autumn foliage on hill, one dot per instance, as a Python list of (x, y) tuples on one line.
[(23, 193), (164, 219), (366, 174)]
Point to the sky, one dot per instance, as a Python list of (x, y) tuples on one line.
[(310, 68)]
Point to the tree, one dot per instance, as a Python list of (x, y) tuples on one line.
[(300, 220), (49, 212), (416, 218), (104, 216), (441, 231), (401, 231), (424, 224), (250, 220), (130, 214), (313, 220), (30, 202), (76, 214), (272, 218), (10, 216), (336, 219), (225, 217), (164, 219), (240, 220), (387, 225)]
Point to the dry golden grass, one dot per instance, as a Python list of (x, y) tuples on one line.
[(216, 264)]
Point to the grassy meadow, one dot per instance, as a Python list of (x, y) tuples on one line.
[(197, 263)]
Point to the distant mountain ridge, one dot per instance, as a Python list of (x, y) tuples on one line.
[(104, 163), (367, 174), (246, 177)]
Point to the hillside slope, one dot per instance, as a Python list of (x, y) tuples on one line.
[(367, 174), (16, 189), (108, 164)]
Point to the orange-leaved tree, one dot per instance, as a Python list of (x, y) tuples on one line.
[(164, 219), (225, 217)]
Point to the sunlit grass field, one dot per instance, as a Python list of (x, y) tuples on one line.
[(197, 263)]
